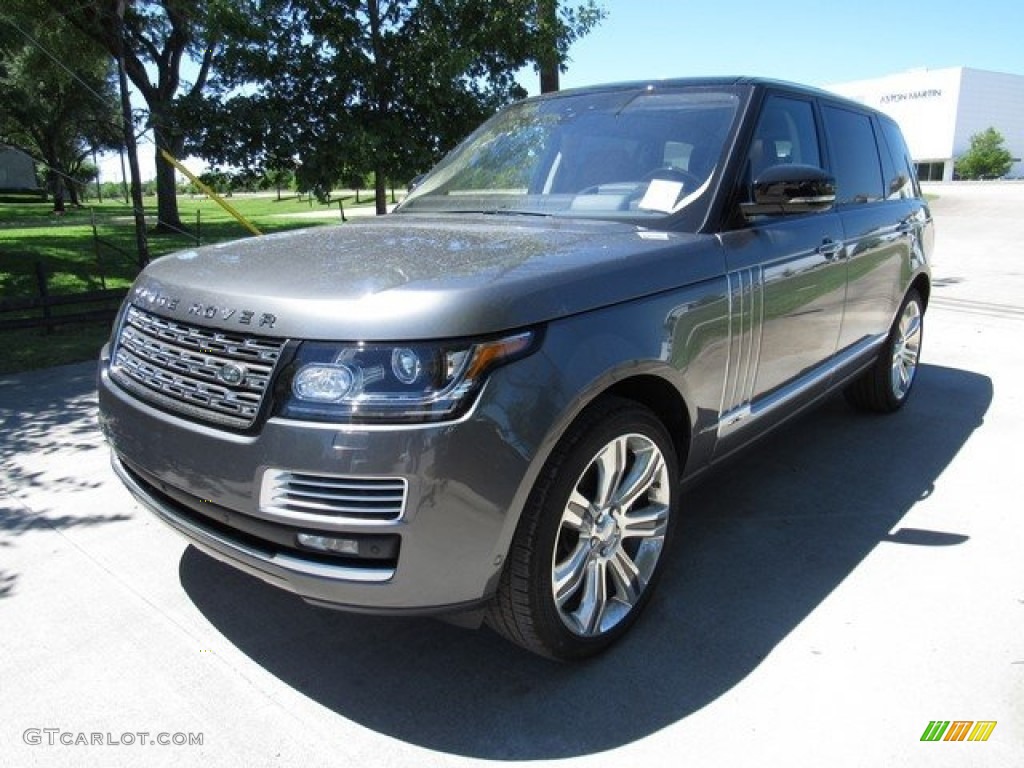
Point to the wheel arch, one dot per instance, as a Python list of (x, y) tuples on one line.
[(923, 286), (522, 609), (664, 400), (647, 388)]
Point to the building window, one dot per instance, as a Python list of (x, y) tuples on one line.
[(930, 171)]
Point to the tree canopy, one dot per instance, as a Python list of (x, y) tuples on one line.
[(987, 158), (58, 115), (343, 88), (158, 40), (327, 90)]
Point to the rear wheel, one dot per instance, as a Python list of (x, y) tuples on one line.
[(886, 385), (589, 546)]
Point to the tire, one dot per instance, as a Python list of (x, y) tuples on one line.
[(590, 543), (887, 384)]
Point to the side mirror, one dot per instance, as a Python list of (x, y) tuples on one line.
[(782, 189)]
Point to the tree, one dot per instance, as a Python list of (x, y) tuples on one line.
[(157, 38), (987, 157), (58, 115), (374, 87), (280, 178)]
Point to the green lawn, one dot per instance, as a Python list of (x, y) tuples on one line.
[(76, 260)]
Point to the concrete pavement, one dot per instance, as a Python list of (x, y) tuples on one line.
[(830, 594)]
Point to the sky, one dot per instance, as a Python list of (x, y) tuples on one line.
[(815, 43), (812, 42)]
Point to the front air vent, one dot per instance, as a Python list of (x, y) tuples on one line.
[(300, 495)]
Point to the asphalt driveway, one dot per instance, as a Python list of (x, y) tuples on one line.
[(829, 595)]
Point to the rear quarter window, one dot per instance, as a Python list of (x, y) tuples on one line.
[(903, 182)]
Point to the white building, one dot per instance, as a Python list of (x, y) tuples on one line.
[(940, 109)]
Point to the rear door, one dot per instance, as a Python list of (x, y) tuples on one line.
[(875, 212)]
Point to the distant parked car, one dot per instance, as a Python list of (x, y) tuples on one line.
[(484, 404)]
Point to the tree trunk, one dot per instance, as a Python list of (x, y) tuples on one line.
[(549, 77), (380, 188), (57, 188), (168, 218), (382, 104), (548, 60), (73, 194)]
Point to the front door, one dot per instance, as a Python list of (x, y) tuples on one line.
[(787, 286)]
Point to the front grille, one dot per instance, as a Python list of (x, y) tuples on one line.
[(285, 494), (215, 376)]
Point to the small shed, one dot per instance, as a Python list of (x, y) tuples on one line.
[(18, 172)]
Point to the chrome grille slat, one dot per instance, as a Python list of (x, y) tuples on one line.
[(176, 366), (294, 494), (357, 498)]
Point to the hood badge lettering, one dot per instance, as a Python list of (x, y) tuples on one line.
[(248, 317)]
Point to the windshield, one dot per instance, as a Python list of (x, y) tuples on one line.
[(644, 155)]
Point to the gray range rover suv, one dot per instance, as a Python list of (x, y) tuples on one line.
[(484, 405)]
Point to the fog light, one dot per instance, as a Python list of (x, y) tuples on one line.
[(329, 544)]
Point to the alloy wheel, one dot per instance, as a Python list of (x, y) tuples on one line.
[(611, 535), (906, 350)]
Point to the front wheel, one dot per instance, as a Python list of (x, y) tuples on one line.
[(590, 543), (886, 385)]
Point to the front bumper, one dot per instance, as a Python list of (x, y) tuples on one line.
[(464, 484)]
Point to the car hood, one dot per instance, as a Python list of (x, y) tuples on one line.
[(410, 277)]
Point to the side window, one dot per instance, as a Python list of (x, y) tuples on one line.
[(785, 133), (857, 170), (903, 183)]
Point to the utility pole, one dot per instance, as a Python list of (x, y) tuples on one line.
[(96, 165), (124, 177), (129, 142)]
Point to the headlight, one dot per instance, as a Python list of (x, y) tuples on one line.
[(370, 382)]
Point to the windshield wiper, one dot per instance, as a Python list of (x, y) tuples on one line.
[(513, 212)]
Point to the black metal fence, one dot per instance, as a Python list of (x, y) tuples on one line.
[(49, 311)]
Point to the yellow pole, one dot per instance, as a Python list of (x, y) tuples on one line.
[(212, 195)]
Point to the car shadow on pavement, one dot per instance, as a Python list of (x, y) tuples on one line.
[(763, 542)]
